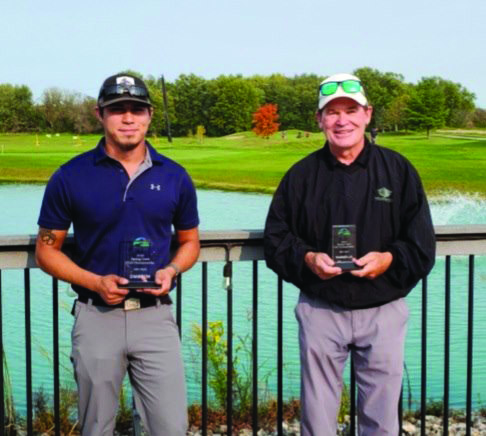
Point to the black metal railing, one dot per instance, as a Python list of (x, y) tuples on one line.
[(229, 247)]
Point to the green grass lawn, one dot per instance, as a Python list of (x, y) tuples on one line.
[(245, 162)]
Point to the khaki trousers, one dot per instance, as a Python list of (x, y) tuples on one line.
[(375, 337), (106, 343)]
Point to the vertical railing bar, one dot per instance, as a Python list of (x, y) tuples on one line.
[(229, 386), (423, 372), (2, 391), (447, 329), (352, 398), (55, 334), (28, 351), (400, 412), (136, 420), (255, 349), (280, 358), (470, 318), (179, 305), (204, 400)]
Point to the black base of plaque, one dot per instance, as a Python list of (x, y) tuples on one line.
[(347, 266), (140, 285)]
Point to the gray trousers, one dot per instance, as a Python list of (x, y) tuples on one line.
[(375, 337), (106, 343)]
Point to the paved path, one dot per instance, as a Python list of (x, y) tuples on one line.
[(474, 138)]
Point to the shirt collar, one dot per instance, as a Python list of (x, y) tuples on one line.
[(362, 159), (154, 155), (100, 153)]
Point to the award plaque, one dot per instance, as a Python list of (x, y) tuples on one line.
[(139, 263), (344, 246)]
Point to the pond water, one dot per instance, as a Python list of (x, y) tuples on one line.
[(19, 206)]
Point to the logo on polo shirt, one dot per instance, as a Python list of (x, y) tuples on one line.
[(154, 187), (384, 194)]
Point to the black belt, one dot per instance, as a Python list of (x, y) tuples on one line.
[(144, 302)]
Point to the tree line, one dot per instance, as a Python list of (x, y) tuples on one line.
[(226, 104)]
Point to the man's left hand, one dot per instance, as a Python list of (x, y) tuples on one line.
[(163, 277), (373, 264)]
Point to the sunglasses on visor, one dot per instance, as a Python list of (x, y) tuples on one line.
[(348, 86), (132, 90)]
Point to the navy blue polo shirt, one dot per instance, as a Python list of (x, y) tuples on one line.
[(107, 210)]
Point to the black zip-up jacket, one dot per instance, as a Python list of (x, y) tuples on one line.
[(381, 193)]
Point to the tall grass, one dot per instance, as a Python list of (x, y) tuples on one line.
[(9, 406)]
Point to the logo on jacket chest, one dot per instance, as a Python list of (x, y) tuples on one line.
[(154, 187), (384, 194)]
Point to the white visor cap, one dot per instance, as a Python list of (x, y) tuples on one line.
[(358, 97)]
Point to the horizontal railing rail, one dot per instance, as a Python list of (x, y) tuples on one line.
[(17, 252)]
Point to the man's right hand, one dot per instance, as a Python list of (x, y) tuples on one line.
[(322, 265), (108, 289)]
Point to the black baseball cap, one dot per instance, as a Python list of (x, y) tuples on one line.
[(123, 87)]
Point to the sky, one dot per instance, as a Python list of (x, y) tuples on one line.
[(75, 45)]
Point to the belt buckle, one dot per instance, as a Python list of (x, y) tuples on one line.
[(131, 304)]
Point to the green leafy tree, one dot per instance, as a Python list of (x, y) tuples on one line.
[(395, 115), (67, 111), (461, 118), (59, 109), (225, 105), (427, 106), (190, 95), (296, 98), (381, 89), (85, 120), (479, 118), (232, 101), (459, 103), (306, 88), (277, 90), (17, 112)]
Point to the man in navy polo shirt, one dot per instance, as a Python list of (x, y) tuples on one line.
[(122, 199)]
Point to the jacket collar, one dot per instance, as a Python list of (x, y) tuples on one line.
[(362, 159)]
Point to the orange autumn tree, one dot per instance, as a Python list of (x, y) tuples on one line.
[(265, 120)]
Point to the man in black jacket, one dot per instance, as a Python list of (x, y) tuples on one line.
[(350, 226)]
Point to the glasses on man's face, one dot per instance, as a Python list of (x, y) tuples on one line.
[(348, 86), (132, 90)]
